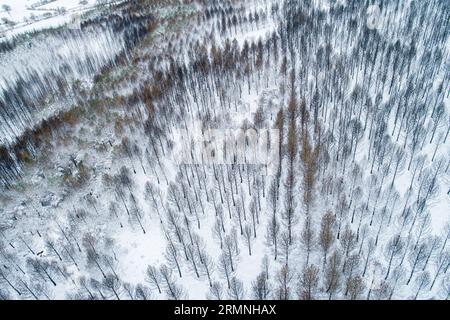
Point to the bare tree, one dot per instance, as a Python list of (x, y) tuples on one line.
[(5, 279), (348, 243), (261, 288), (308, 282), (398, 275), (393, 249), (416, 258), (248, 238), (224, 267), (442, 264), (153, 277), (83, 283), (194, 260), (216, 291), (285, 246), (273, 231), (434, 243), (422, 281), (173, 258), (231, 250), (97, 287), (446, 287), (206, 264), (326, 237), (307, 238), (284, 279), (128, 287), (333, 275), (355, 287), (171, 288), (112, 284), (40, 268), (142, 292), (219, 231)]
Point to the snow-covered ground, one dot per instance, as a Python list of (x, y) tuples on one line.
[(23, 16), (102, 200)]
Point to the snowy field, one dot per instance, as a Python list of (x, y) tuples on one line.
[(19, 16)]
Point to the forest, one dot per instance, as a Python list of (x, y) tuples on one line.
[(228, 149)]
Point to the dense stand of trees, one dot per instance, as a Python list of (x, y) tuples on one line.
[(356, 108)]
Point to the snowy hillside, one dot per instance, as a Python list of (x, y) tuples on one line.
[(230, 149), (53, 64), (19, 16)]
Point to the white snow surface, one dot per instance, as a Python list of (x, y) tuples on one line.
[(122, 237)]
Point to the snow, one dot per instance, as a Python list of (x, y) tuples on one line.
[(96, 142), (45, 16)]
